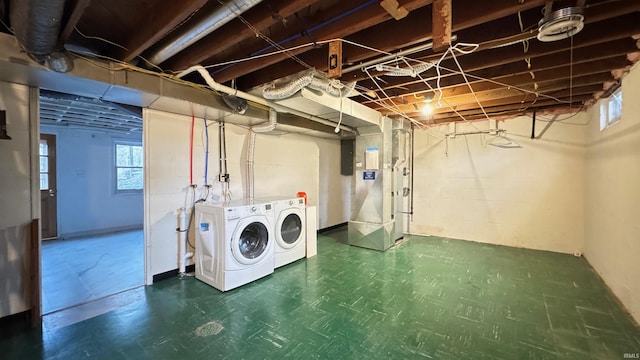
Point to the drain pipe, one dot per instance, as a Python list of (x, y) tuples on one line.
[(183, 228), (256, 99), (273, 121), (204, 27)]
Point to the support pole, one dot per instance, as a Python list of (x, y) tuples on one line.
[(533, 126)]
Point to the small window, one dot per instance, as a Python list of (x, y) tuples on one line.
[(44, 165), (129, 176), (611, 109)]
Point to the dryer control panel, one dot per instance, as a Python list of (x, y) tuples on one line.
[(234, 213)]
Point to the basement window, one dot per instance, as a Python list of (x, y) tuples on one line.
[(129, 175), (611, 109)]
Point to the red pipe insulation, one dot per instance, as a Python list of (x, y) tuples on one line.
[(193, 120)]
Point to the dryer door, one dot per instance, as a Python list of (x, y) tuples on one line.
[(250, 242), (289, 228)]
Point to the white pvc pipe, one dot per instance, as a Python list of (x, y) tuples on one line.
[(251, 147), (182, 240), (250, 168), (256, 99)]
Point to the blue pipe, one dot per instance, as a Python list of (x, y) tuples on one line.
[(314, 28), (206, 151)]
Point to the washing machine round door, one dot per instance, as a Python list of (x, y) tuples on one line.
[(250, 241), (289, 229)]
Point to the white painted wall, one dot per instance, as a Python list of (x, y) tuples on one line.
[(17, 204), (284, 165), (531, 197), (613, 197), (87, 201), (334, 204)]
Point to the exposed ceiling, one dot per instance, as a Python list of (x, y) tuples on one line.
[(81, 112), (508, 73)]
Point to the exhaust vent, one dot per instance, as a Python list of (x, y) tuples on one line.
[(236, 104), (560, 24)]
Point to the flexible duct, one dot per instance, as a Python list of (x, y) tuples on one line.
[(288, 89), (273, 121), (256, 99), (36, 24), (411, 71), (202, 28)]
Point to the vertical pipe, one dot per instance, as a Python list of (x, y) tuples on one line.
[(206, 151), (220, 129), (250, 168), (533, 126), (224, 152), (193, 119), (411, 173), (182, 239)]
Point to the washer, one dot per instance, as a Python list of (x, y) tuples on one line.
[(235, 243), (289, 228)]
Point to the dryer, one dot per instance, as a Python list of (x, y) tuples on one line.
[(289, 228), (235, 243)]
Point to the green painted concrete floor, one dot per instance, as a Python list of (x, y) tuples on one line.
[(427, 298)]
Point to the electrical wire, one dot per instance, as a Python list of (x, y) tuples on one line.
[(274, 44), (392, 108), (100, 39), (571, 74), (7, 27), (117, 45), (505, 85)]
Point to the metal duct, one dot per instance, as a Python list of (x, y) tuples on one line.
[(36, 24), (204, 27), (412, 71), (257, 99), (236, 104), (285, 90)]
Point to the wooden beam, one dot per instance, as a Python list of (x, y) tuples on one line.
[(441, 15), (600, 33), (78, 9), (360, 20), (502, 109), (155, 26), (394, 9), (540, 67), (499, 97), (395, 35), (335, 59), (545, 87), (261, 17)]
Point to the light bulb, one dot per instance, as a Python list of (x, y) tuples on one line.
[(427, 109)]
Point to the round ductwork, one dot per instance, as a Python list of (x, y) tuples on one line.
[(560, 24)]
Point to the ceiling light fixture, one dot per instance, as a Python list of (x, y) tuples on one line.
[(427, 109), (560, 24)]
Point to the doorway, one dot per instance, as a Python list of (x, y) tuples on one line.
[(48, 188), (92, 212)]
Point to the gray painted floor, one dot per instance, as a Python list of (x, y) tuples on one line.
[(85, 269)]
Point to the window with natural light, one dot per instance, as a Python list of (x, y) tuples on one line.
[(44, 165), (610, 109), (128, 166)]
